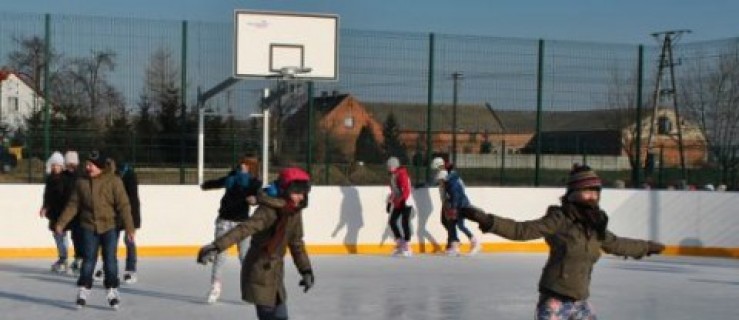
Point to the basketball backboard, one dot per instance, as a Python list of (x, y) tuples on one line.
[(279, 44)]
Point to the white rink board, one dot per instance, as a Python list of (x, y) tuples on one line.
[(175, 215)]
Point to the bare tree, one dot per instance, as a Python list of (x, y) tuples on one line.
[(90, 74), (711, 96), (30, 60)]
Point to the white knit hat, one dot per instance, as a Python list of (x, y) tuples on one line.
[(393, 163), (71, 157), (56, 158), (437, 162)]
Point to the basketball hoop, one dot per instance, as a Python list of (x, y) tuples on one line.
[(290, 72)]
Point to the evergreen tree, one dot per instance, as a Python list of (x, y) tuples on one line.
[(393, 147), (367, 148)]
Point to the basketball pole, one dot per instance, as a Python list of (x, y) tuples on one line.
[(202, 98)]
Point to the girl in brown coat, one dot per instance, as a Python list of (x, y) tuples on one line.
[(276, 225), (576, 232)]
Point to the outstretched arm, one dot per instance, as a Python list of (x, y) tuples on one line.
[(634, 248), (517, 230), (262, 219)]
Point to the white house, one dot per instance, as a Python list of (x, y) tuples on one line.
[(18, 100)]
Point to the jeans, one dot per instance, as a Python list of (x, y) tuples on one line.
[(451, 230), (108, 242), (61, 245), (277, 312), (131, 256), (404, 213), (222, 227), (463, 228)]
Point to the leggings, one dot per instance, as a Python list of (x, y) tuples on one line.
[(551, 307), (403, 212)]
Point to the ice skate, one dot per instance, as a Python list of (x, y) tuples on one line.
[(214, 293), (474, 246), (60, 267), (75, 267), (114, 300), (406, 250), (82, 296), (130, 277), (398, 251), (453, 250)]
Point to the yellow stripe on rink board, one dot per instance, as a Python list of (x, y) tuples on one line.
[(380, 249)]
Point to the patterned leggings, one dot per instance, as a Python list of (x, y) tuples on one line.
[(552, 308)]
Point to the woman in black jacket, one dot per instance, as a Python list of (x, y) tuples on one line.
[(242, 185), (57, 189)]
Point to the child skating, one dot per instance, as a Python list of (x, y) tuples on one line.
[(576, 232), (275, 226)]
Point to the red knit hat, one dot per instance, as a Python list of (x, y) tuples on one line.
[(294, 180), (582, 177)]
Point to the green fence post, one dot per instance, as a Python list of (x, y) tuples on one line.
[(47, 115), (502, 163), (429, 104), (636, 171), (183, 96), (539, 82)]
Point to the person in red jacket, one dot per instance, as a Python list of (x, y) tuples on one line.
[(400, 190)]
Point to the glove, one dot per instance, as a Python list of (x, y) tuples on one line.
[(389, 207), (307, 281), (207, 254), (450, 213), (654, 247), (484, 220)]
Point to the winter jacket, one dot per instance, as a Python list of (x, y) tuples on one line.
[(238, 186), (131, 184), (400, 187), (455, 191), (572, 250), (98, 201), (57, 190), (262, 274)]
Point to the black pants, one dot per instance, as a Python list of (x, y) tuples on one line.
[(404, 213)]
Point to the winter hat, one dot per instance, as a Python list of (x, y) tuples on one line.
[(71, 157), (393, 163), (437, 162), (55, 158), (582, 177), (98, 159), (294, 180)]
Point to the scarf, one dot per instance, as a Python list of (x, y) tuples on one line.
[(278, 236)]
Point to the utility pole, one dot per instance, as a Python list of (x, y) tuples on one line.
[(456, 76), (667, 92)]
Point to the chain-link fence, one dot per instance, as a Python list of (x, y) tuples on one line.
[(505, 111)]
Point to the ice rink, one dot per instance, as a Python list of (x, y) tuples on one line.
[(486, 286)]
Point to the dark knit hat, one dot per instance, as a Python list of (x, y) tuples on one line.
[(582, 177), (98, 159)]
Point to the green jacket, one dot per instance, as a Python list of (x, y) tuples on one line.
[(572, 252), (98, 201), (262, 274)]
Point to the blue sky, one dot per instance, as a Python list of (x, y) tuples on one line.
[(612, 21)]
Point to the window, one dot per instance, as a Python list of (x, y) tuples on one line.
[(349, 122), (664, 125), (13, 103)]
